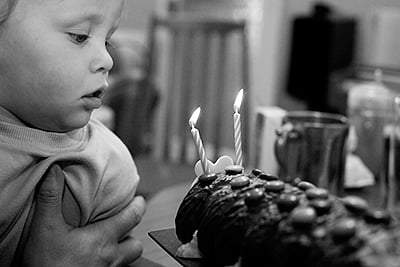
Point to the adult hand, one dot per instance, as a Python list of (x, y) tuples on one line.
[(52, 242)]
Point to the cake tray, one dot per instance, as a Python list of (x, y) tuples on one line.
[(168, 241)]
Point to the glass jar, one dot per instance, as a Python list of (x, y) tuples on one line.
[(370, 113)]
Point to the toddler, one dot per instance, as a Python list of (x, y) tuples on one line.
[(54, 66)]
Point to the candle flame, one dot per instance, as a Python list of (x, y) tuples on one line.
[(397, 100), (195, 116), (238, 101)]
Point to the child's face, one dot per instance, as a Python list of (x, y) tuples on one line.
[(54, 61)]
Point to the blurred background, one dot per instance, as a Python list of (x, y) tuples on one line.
[(294, 55)]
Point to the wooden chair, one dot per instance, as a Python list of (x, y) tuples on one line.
[(198, 62)]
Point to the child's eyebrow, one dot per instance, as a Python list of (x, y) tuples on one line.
[(91, 17), (84, 16)]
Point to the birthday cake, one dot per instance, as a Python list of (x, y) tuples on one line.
[(234, 217)]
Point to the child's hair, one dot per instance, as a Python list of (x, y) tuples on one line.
[(6, 7)]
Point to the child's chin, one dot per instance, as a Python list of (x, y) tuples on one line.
[(68, 126)]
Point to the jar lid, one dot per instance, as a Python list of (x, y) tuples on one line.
[(374, 95)]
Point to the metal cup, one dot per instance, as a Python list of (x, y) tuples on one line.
[(311, 145)]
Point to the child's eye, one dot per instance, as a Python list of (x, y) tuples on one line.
[(78, 38)]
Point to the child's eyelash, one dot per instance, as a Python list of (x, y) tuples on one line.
[(78, 38), (82, 38)]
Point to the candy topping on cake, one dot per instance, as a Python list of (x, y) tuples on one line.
[(240, 181)]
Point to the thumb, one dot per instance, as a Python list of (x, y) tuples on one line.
[(49, 196)]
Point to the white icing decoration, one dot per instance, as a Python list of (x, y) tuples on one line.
[(219, 166)]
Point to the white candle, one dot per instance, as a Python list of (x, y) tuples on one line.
[(197, 140), (237, 127)]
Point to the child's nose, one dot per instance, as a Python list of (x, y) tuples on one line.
[(103, 61)]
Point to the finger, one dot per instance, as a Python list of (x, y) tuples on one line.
[(49, 197), (125, 220), (130, 250)]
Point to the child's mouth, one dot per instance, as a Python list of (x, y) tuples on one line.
[(99, 93), (94, 100)]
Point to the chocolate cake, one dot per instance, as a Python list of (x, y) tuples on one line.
[(255, 219)]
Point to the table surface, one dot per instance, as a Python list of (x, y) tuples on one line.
[(160, 214), (144, 262)]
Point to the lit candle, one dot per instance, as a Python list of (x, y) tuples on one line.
[(197, 140), (237, 127)]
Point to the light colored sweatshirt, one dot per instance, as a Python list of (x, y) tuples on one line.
[(101, 177)]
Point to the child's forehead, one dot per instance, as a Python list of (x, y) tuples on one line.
[(72, 9), (71, 5)]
